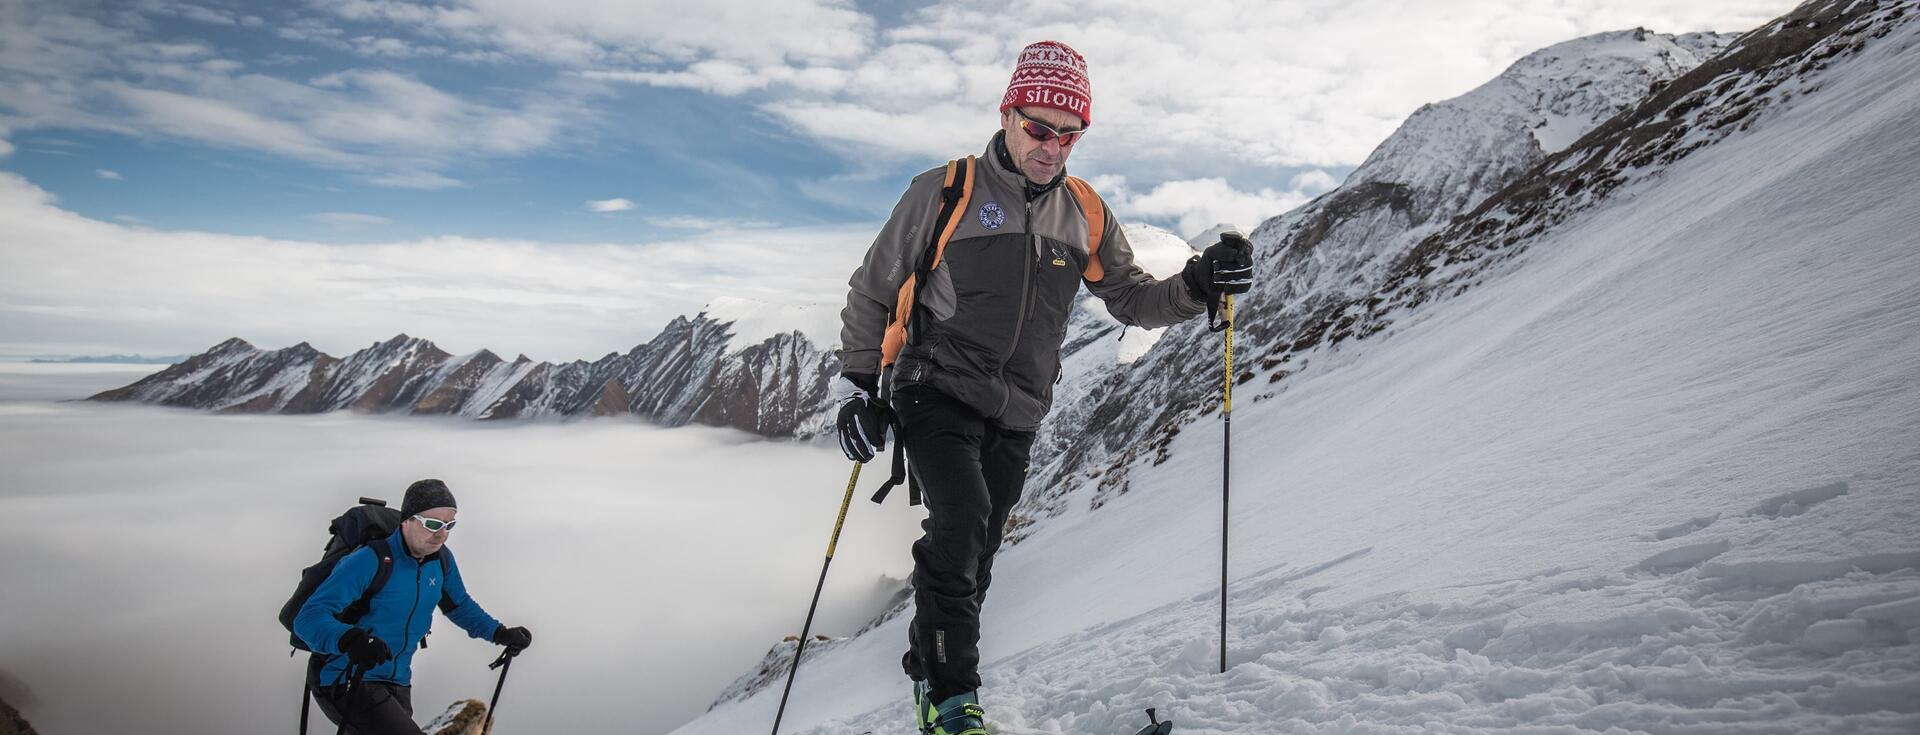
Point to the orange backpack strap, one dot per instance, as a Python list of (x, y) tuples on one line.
[(954, 195), (1096, 214)]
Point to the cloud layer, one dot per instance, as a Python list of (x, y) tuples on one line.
[(73, 284), (655, 565), (1181, 90), (1244, 90)]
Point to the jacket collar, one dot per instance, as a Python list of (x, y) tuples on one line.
[(397, 543), (1003, 166)]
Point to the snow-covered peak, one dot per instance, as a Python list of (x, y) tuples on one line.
[(754, 321), (1543, 102), (1157, 251), (1212, 235)]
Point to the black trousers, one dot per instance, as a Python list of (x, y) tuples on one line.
[(970, 474), (374, 708)]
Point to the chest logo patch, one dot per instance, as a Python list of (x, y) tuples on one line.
[(992, 216)]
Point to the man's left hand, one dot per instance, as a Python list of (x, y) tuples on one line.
[(516, 639), (1226, 267)]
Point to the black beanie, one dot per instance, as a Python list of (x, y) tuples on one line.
[(426, 495)]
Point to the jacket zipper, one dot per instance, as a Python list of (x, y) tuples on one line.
[(1026, 289), (406, 633)]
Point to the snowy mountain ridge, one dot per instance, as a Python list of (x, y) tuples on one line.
[(694, 371)]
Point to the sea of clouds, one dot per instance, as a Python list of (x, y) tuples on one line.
[(148, 550)]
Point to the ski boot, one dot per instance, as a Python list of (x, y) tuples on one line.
[(960, 714)]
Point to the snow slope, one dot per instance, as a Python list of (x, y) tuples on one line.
[(1659, 472)]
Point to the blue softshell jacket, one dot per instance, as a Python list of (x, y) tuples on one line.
[(401, 614)]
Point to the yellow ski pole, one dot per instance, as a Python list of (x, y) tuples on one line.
[(1226, 483), (807, 629)]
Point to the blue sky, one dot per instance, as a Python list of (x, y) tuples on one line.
[(523, 132)]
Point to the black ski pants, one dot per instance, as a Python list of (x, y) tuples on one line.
[(970, 473), (373, 708)]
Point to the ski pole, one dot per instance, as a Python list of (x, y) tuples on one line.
[(807, 628), (1226, 482), (503, 663), (346, 702)]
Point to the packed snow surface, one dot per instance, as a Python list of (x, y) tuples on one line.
[(1661, 473)]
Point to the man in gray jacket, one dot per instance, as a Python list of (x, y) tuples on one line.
[(975, 374)]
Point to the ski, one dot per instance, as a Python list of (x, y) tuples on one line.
[(1159, 727)]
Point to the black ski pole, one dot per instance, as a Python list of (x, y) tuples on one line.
[(503, 663), (346, 702), (1226, 481), (807, 628)]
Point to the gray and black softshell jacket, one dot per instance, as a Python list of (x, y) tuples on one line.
[(996, 307)]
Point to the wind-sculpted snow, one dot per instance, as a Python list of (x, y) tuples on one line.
[(1693, 650)]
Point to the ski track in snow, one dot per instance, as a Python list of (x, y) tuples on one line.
[(1663, 478)]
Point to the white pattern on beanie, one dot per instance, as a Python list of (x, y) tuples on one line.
[(1051, 74)]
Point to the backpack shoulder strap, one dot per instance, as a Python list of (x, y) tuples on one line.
[(383, 568), (1096, 214), (954, 195), (953, 200)]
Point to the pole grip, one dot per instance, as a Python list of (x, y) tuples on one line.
[(1227, 386), (840, 521)]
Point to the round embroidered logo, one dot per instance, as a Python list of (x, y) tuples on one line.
[(992, 216)]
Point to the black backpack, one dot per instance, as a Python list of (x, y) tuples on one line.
[(366, 524)]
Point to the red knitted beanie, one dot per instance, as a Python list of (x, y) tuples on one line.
[(1051, 74)]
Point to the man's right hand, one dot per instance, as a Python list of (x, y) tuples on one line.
[(364, 650), (864, 419)]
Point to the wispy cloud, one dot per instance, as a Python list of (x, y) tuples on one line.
[(709, 223), (108, 175), (349, 220), (609, 205), (102, 282), (388, 128), (1179, 90), (585, 33), (1197, 204)]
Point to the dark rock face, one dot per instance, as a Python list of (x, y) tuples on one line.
[(11, 723)]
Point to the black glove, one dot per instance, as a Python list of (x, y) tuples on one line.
[(864, 419), (364, 650), (516, 639), (1226, 267)]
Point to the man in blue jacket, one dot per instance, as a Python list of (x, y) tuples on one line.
[(380, 645)]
